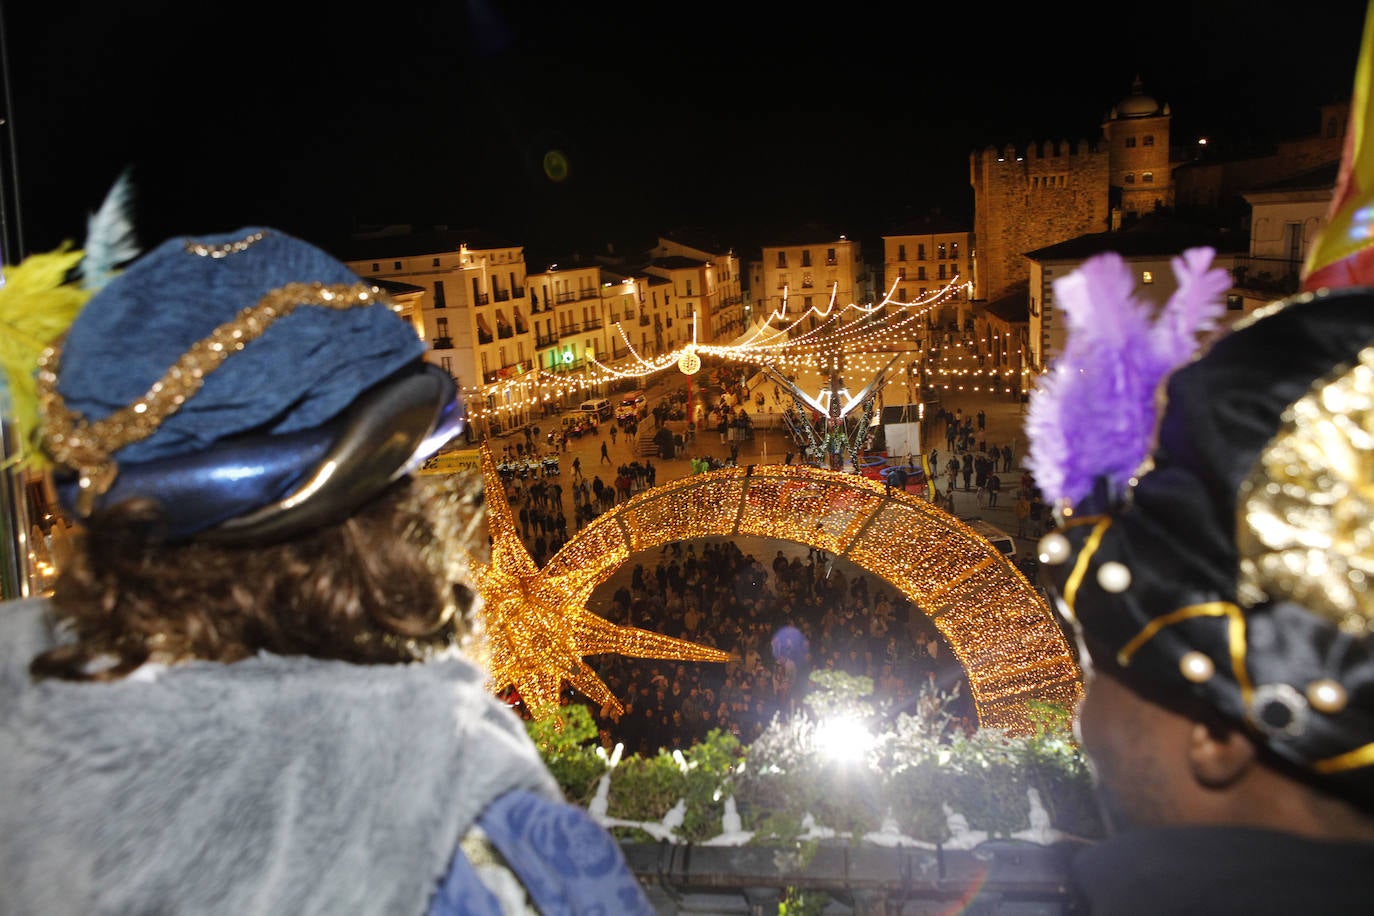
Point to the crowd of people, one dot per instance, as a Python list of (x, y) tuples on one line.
[(781, 621)]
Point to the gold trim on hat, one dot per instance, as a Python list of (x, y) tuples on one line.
[(1350, 760), (88, 447), (1306, 510), (1235, 637), (223, 251), (1080, 565)]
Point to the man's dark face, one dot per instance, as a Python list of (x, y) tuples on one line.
[(1135, 748)]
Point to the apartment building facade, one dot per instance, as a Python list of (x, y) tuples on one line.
[(474, 312), (925, 256)]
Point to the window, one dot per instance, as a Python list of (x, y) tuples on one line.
[(921, 252), (1147, 177), (439, 301), (782, 259), (446, 363), (954, 250), (830, 255), (1234, 303), (807, 282), (806, 258), (901, 273), (901, 294), (1129, 178), (901, 252), (376, 267), (1148, 140), (398, 265), (942, 271), (689, 287), (940, 251), (436, 263), (441, 326), (1130, 143), (1147, 277), (921, 272)]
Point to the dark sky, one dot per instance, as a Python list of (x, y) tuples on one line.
[(734, 117)]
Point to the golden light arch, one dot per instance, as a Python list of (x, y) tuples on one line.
[(997, 624)]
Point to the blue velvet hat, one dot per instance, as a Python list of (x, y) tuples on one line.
[(249, 382)]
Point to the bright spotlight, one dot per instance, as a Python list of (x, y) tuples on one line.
[(843, 738)]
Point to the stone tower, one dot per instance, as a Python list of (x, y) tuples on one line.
[(1023, 201)]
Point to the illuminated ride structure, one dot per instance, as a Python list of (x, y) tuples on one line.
[(997, 624)]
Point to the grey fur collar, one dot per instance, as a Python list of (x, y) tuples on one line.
[(274, 785)]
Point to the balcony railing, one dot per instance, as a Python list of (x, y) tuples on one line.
[(1269, 276), (569, 330), (502, 295), (482, 298), (593, 324), (505, 333), (442, 343), (483, 337), (545, 340), (567, 296)]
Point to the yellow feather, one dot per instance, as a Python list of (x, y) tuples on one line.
[(37, 305)]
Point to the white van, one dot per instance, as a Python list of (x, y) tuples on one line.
[(601, 407), (1005, 543)]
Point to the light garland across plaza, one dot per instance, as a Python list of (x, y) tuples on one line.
[(784, 340)]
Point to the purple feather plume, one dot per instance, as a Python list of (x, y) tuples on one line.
[(1093, 414)]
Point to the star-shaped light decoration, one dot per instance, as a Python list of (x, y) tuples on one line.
[(537, 626)]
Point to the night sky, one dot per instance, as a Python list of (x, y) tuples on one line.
[(735, 118)]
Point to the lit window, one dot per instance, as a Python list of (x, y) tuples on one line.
[(1147, 177), (1147, 277)]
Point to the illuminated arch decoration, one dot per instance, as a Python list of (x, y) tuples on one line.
[(996, 623)]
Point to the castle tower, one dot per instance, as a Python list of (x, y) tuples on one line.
[(1137, 136), (1052, 193)]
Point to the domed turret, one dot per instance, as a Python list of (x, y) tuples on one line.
[(1137, 104)]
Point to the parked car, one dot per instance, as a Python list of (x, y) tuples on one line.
[(630, 407), (1004, 542)]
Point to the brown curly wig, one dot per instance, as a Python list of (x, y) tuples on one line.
[(372, 589)]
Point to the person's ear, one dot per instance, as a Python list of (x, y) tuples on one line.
[(1219, 754)]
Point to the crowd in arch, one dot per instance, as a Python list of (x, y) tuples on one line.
[(782, 620)]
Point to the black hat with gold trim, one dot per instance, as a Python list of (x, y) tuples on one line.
[(1239, 567), (1217, 502)]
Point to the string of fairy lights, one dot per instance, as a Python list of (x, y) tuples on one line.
[(789, 339)]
